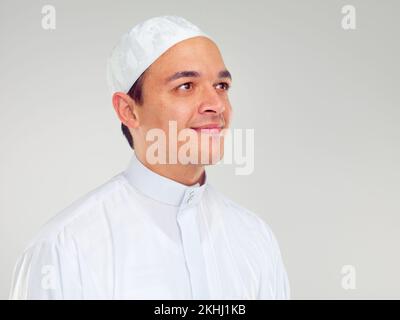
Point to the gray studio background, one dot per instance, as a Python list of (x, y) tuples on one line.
[(323, 101)]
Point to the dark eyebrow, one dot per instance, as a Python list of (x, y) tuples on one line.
[(183, 74), (191, 74), (224, 74)]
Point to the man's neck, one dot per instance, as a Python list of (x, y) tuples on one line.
[(187, 174)]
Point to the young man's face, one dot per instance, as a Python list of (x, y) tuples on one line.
[(193, 100)]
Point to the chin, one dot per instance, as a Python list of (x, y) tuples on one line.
[(211, 156)]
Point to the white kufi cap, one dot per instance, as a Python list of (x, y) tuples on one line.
[(142, 45)]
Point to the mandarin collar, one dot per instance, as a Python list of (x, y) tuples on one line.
[(161, 188)]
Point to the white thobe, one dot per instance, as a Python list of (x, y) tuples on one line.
[(143, 236)]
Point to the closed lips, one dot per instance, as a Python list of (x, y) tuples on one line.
[(209, 128)]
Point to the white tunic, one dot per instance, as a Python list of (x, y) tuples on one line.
[(143, 236)]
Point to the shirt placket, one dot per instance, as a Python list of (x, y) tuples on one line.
[(192, 248)]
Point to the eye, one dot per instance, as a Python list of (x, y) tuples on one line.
[(185, 86), (225, 85)]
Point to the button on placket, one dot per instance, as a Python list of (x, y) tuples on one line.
[(190, 197)]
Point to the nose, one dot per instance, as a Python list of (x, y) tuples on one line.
[(211, 101)]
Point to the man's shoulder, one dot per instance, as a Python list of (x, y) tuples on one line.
[(80, 214)]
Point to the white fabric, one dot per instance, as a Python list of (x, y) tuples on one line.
[(144, 236), (142, 45)]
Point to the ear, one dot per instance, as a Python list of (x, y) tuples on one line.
[(126, 109)]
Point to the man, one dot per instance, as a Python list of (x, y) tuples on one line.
[(159, 230)]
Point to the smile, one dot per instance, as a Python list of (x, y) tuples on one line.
[(209, 129)]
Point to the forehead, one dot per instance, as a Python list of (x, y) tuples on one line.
[(199, 53)]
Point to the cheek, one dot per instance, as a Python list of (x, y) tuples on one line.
[(153, 119), (180, 113), (183, 109), (228, 115)]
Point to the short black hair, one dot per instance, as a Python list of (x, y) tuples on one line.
[(136, 93)]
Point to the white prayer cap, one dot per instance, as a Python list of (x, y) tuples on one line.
[(142, 45)]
